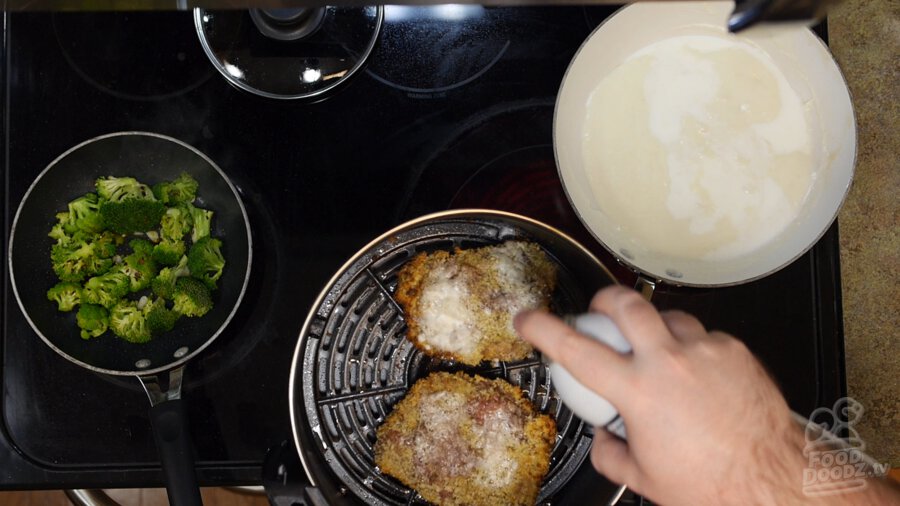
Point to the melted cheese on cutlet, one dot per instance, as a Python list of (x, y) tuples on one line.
[(446, 316), (437, 441), (497, 436), (510, 261), (454, 305), (449, 437)]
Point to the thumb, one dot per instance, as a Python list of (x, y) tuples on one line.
[(611, 458)]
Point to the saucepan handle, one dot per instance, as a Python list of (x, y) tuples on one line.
[(173, 442)]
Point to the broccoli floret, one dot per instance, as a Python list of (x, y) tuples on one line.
[(84, 214), (182, 190), (163, 285), (132, 215), (168, 252), (79, 257), (105, 244), (159, 318), (141, 246), (58, 233), (62, 231), (140, 269), (205, 261), (66, 295), (176, 223), (119, 189), (67, 264), (65, 221), (202, 219), (191, 297), (105, 290), (129, 322), (93, 320)]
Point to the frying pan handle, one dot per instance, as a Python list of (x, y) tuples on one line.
[(173, 442), (645, 286)]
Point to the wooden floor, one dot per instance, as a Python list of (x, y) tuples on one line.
[(133, 497), (157, 497)]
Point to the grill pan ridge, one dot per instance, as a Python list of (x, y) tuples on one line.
[(357, 362)]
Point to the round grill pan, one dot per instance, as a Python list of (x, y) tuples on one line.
[(353, 362)]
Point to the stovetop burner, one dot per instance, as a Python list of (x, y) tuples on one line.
[(502, 160), (136, 56), (319, 181)]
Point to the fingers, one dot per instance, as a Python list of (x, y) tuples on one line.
[(594, 364), (684, 327), (611, 458), (637, 319)]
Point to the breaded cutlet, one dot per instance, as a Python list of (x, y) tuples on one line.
[(467, 440), (460, 305)]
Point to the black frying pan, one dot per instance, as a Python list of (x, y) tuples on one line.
[(150, 158)]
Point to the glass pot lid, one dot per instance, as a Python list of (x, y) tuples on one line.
[(288, 53)]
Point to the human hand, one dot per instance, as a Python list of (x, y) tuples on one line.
[(705, 423)]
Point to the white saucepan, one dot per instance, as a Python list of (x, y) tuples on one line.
[(622, 211)]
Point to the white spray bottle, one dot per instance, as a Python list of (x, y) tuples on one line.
[(585, 403)]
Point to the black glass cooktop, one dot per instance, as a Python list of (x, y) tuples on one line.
[(454, 109)]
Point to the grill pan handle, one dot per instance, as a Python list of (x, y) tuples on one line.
[(173, 442), (285, 480)]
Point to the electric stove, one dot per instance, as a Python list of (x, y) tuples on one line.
[(453, 109)]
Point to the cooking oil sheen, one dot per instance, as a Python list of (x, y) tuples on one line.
[(698, 147)]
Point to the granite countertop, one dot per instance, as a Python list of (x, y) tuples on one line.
[(865, 39)]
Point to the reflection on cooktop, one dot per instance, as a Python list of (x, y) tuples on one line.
[(439, 48)]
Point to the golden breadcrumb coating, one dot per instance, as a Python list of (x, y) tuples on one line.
[(467, 440), (460, 305)]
